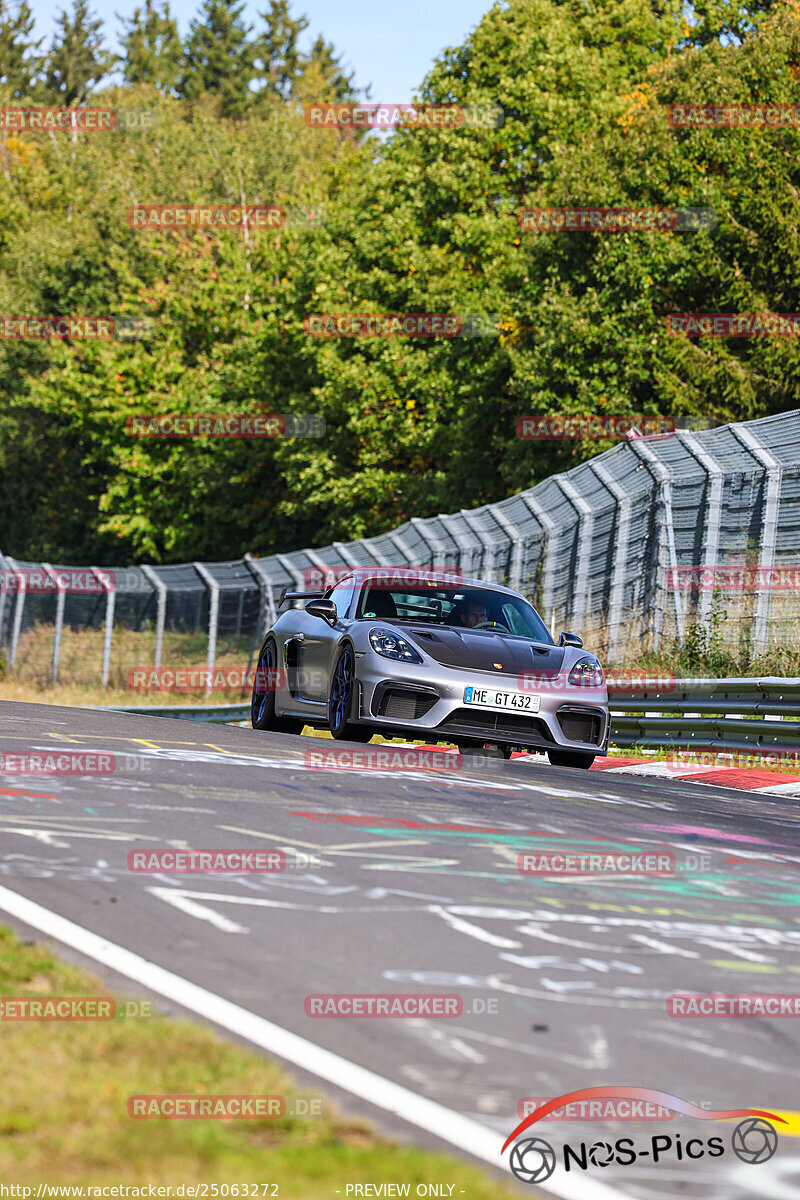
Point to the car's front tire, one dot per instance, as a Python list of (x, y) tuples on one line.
[(340, 699), (262, 705), (570, 758)]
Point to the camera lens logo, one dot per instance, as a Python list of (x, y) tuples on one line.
[(601, 1154), (754, 1140), (533, 1160)]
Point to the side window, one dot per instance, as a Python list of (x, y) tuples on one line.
[(514, 621), (341, 596)]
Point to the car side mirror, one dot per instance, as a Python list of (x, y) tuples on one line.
[(323, 608), (570, 639)]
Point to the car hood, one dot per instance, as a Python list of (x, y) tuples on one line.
[(481, 650)]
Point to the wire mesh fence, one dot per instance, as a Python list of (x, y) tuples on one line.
[(628, 548)]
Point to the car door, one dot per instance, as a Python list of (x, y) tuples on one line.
[(320, 643)]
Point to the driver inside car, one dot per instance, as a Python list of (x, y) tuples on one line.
[(472, 613)]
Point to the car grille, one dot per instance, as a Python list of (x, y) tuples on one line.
[(581, 726), (499, 722), (403, 704)]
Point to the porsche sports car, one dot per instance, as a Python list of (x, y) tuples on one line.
[(430, 657)]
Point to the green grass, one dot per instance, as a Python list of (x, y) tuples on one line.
[(64, 1119)]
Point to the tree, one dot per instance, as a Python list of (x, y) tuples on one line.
[(219, 56), (278, 54), (19, 61), (152, 45), (77, 60), (322, 73)]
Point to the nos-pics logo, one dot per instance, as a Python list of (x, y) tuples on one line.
[(532, 1160)]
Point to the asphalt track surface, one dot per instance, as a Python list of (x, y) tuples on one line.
[(563, 981)]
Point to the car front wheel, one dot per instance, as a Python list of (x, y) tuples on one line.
[(340, 699)]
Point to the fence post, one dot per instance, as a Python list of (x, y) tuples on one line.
[(161, 611), (585, 533), (550, 529), (769, 526), (108, 587), (466, 549), (20, 576), (432, 542), (713, 511), (486, 543), (666, 534), (620, 558), (3, 570), (516, 540), (402, 546), (267, 612), (213, 621), (61, 597)]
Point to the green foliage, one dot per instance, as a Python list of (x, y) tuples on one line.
[(152, 45), (421, 221), (277, 47), (220, 56), (704, 651), (20, 61), (77, 60)]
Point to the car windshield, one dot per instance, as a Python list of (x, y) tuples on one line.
[(457, 607)]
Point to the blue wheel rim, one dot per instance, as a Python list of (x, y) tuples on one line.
[(341, 689), (259, 703)]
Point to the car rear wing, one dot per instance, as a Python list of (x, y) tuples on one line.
[(287, 595)]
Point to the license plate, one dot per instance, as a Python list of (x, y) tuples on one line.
[(492, 698)]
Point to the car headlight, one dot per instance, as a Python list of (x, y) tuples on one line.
[(587, 672), (392, 645)]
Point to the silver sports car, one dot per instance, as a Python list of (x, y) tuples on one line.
[(430, 657)]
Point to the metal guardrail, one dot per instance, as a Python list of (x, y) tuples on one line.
[(679, 728), (221, 714), (685, 701)]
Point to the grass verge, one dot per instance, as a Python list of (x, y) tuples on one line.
[(66, 1085)]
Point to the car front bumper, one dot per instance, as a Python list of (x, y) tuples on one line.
[(428, 701)]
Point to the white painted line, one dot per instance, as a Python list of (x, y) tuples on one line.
[(449, 1126), (780, 789)]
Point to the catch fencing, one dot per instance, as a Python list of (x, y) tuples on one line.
[(604, 549)]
